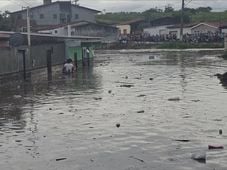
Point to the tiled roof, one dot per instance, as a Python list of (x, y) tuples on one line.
[(57, 2)]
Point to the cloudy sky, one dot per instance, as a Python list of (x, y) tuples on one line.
[(121, 5)]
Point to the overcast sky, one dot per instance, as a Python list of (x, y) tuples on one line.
[(121, 5)]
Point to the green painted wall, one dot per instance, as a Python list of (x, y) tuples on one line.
[(73, 50), (78, 50)]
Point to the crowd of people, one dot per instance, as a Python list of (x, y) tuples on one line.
[(190, 38)]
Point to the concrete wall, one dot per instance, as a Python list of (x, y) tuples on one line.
[(39, 54), (204, 29), (62, 10), (83, 14), (108, 33), (48, 13), (12, 62), (158, 30), (224, 30), (124, 27)]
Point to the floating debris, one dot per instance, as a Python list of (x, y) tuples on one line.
[(220, 132), (151, 78), (110, 91), (174, 99), (141, 111), (210, 147), (136, 158), (195, 100), (118, 125), (199, 157), (61, 159), (142, 95), (97, 98), (127, 85), (182, 140)]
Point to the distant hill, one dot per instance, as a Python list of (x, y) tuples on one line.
[(202, 14)]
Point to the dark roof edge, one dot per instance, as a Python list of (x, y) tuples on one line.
[(40, 6)]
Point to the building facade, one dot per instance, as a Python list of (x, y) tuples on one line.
[(53, 13)]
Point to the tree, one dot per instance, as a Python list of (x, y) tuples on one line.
[(168, 9), (204, 9), (5, 21)]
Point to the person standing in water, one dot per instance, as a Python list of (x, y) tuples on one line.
[(68, 67)]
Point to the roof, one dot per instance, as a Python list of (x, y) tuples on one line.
[(53, 36), (57, 2), (131, 22), (210, 24), (73, 24)]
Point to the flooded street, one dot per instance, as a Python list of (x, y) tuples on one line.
[(168, 106)]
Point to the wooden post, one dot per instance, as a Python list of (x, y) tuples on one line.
[(75, 60), (23, 52), (88, 57), (24, 63), (83, 57), (225, 40), (49, 64)]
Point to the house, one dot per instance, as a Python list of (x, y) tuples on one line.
[(53, 13), (131, 27), (195, 29), (157, 30), (62, 47), (83, 28)]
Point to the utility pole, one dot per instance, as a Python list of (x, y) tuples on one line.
[(28, 28), (182, 22)]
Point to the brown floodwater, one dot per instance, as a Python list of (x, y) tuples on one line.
[(168, 106)]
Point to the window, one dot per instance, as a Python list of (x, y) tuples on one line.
[(55, 16), (19, 16), (76, 16), (55, 31), (41, 16)]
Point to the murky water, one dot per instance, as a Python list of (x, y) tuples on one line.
[(70, 122)]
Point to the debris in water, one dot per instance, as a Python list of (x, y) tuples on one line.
[(141, 111), (118, 125), (61, 113), (220, 132), (97, 98), (210, 147), (182, 140), (126, 77), (199, 157), (136, 158), (50, 108), (217, 120), (126, 85), (195, 100), (110, 91), (151, 79), (142, 95), (61, 159), (174, 99)]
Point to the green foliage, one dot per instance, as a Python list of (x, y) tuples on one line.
[(5, 21), (201, 14), (168, 9)]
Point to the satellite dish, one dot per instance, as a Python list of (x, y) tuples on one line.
[(16, 40)]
